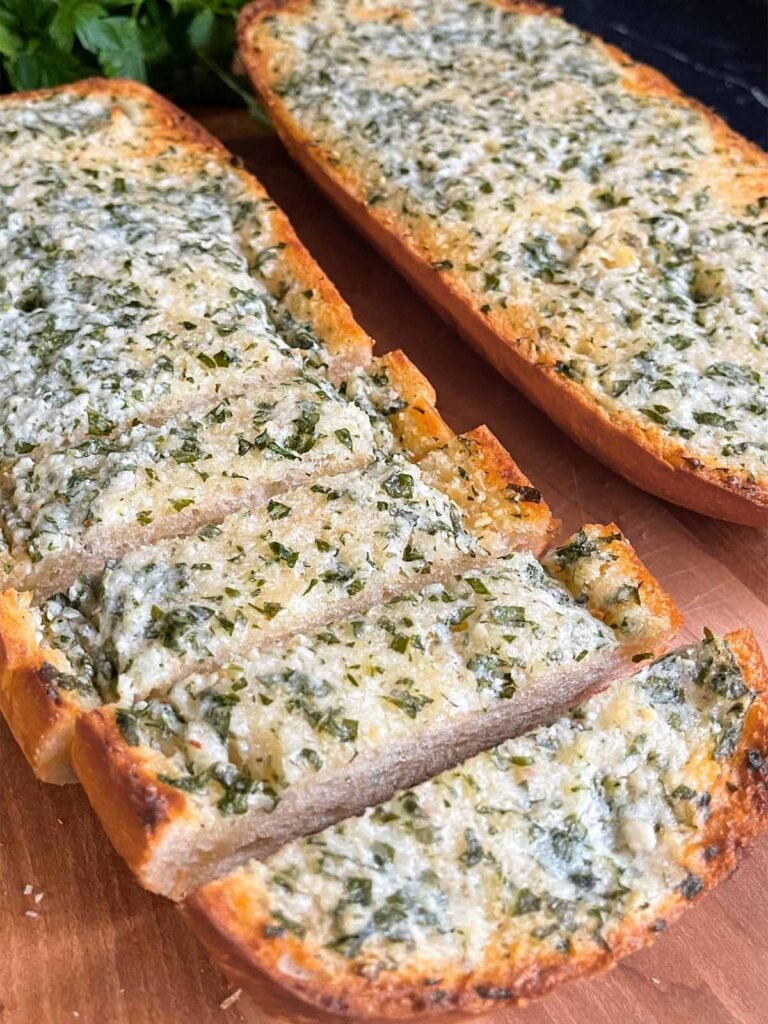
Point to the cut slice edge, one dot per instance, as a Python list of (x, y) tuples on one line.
[(217, 495)]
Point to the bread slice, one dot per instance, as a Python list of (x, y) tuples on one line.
[(599, 237), (144, 274), (67, 512), (294, 737), (544, 860), (329, 548)]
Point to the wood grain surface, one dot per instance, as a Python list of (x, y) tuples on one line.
[(97, 949)]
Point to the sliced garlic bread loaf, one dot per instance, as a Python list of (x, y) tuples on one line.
[(143, 274), (598, 236), (293, 737), (328, 548), (543, 860)]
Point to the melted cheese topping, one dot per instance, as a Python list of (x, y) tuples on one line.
[(153, 478), (300, 561), (507, 147), (130, 286), (359, 684), (557, 838)]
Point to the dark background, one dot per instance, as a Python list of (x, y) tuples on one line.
[(715, 50)]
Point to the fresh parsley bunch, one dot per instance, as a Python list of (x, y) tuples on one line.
[(182, 47)]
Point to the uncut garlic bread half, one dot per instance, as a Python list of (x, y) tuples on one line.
[(294, 562), (543, 860), (599, 237), (292, 737)]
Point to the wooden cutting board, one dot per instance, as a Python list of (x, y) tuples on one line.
[(82, 942)]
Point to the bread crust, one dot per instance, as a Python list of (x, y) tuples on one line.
[(40, 714), (228, 915), (505, 499), (419, 426), (645, 456), (134, 807), (625, 563)]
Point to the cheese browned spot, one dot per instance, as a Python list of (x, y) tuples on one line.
[(523, 163)]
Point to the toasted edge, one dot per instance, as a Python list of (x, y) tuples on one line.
[(500, 504), (228, 916), (646, 457), (134, 807), (663, 617), (419, 426), (40, 714)]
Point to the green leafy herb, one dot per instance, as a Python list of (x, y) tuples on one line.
[(177, 504), (399, 485), (99, 425), (344, 437), (277, 510), (508, 615), (411, 702), (282, 553), (181, 47)]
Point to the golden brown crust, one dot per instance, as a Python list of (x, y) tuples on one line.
[(624, 566), (499, 468), (500, 505), (645, 456), (740, 807), (419, 426), (135, 808), (40, 714), (229, 916)]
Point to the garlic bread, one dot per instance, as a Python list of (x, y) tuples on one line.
[(294, 736), (599, 237), (543, 860)]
